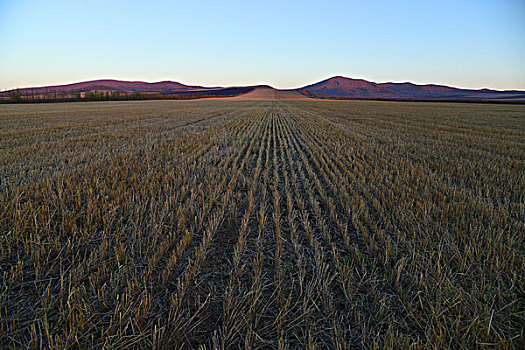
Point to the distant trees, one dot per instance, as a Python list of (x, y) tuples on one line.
[(16, 95), (114, 96), (138, 96), (94, 95), (32, 95)]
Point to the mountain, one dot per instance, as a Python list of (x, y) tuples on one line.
[(347, 88), (166, 89), (265, 92), (333, 88), (115, 85)]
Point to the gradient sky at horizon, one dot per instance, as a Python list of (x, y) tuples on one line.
[(286, 44)]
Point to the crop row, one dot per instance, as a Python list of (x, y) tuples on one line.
[(262, 225)]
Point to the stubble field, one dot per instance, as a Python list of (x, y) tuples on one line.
[(262, 224)]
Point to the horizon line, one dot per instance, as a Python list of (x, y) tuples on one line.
[(255, 84)]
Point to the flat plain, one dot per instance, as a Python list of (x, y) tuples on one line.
[(262, 224)]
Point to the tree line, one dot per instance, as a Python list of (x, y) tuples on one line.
[(17, 96)]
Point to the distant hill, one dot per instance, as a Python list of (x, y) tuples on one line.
[(164, 89), (115, 85), (333, 88), (269, 93), (347, 88)]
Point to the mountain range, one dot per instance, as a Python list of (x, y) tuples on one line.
[(342, 87), (337, 87)]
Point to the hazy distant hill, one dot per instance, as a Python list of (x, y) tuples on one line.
[(165, 89), (115, 85), (265, 92), (337, 87), (342, 87)]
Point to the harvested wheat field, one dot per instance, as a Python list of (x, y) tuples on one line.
[(262, 225)]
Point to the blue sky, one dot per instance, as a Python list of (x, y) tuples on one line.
[(472, 44)]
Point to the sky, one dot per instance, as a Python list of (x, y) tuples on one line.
[(286, 44)]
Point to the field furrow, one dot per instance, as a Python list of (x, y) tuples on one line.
[(262, 225)]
